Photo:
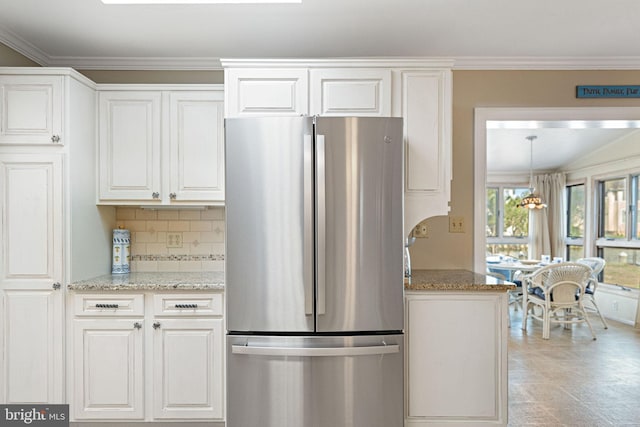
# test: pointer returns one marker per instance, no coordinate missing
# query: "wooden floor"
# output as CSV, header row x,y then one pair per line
x,y
572,380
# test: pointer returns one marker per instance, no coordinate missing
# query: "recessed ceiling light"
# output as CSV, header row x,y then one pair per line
x,y
198,1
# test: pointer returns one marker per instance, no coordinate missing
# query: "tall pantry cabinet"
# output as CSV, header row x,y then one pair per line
x,y
51,231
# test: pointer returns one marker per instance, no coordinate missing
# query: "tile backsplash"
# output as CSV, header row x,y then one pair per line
x,y
174,240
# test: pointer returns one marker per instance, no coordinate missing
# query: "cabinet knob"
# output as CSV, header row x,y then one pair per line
x,y
137,325
56,286
55,138
155,195
156,325
172,196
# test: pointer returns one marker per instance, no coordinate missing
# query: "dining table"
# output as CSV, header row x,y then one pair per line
x,y
507,267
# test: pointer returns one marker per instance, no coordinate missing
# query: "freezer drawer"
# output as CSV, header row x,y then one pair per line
x,y
352,381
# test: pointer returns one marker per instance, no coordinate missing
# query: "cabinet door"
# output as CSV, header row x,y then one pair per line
x,y
350,92
31,321
266,92
456,370
196,146
129,140
188,381
31,232
108,369
426,110
31,109
32,352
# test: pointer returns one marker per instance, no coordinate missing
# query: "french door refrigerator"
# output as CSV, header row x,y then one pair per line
x,y
314,271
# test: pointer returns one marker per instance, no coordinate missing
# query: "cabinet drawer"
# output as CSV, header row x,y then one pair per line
x,y
109,305
188,305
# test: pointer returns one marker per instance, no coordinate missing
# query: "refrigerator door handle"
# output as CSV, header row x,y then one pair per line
x,y
308,225
321,224
315,351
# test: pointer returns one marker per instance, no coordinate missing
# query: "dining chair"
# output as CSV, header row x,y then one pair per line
x,y
597,265
557,290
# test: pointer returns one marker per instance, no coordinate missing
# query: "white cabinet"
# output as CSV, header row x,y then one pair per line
x,y
350,92
264,92
456,358
417,90
31,338
151,356
31,109
129,135
188,369
32,357
425,105
160,147
51,231
108,374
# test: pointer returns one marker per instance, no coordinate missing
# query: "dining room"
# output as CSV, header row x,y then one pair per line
x,y
561,185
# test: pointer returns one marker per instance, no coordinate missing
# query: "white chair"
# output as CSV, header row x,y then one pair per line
x,y
558,290
597,265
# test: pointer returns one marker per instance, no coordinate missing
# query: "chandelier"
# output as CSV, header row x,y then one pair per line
x,y
531,200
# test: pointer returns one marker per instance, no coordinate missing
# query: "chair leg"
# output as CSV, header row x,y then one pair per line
x,y
525,315
546,324
592,300
586,319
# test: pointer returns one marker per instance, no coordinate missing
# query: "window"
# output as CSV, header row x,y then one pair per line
x,y
507,224
574,239
618,230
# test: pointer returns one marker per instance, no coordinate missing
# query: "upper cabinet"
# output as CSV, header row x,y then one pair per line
x,y
31,109
424,101
350,92
161,145
417,90
266,92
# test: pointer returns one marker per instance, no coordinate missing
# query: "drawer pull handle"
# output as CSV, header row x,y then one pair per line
x,y
107,305
137,325
186,306
156,325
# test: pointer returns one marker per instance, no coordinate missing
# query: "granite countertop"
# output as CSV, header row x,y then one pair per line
x,y
455,280
152,281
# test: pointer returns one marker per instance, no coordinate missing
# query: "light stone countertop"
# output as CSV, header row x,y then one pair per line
x,y
455,280
152,282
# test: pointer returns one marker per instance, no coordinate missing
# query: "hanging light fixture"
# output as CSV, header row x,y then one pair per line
x,y
531,200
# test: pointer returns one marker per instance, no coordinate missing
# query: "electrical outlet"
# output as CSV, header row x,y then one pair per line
x,y
174,240
615,306
421,230
456,224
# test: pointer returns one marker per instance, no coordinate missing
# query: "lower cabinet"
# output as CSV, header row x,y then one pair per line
x,y
187,368
456,358
31,337
108,369
147,357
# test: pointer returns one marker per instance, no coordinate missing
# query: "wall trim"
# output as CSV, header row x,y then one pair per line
x,y
32,52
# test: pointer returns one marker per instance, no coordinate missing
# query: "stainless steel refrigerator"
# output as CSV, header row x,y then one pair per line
x,y
314,272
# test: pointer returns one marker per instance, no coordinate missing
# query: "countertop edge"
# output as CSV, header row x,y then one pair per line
x,y
456,280
158,281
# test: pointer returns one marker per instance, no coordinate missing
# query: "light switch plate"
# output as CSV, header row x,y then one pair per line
x,y
174,240
456,224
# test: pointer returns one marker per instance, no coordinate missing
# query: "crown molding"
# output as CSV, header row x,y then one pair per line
x,y
356,62
30,51
546,63
23,47
139,63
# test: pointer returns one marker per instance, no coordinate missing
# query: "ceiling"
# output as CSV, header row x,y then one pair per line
x,y
584,34
557,143
89,34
